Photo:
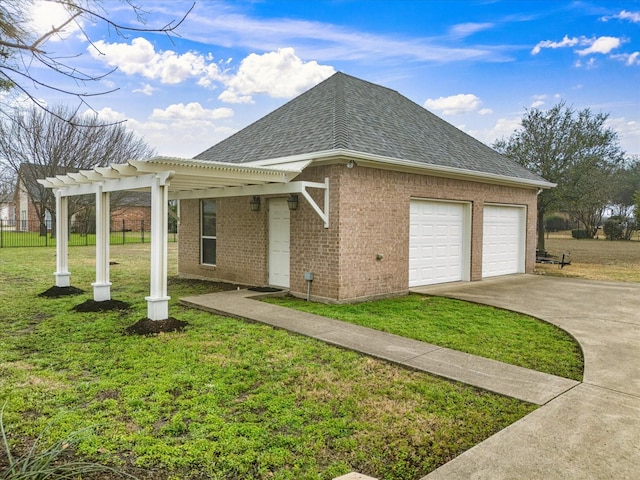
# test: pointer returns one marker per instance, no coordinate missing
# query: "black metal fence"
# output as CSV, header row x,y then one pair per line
x,y
29,234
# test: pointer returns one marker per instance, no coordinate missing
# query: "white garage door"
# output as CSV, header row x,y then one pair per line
x,y
437,249
503,240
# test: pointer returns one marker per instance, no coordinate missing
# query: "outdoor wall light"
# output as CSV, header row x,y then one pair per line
x,y
292,201
254,203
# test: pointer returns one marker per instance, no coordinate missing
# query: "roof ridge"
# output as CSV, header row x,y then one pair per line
x,y
340,140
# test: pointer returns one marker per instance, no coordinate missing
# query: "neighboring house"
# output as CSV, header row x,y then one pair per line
x,y
7,211
129,210
413,201
346,193
28,198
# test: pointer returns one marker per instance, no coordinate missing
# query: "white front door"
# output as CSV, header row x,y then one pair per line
x,y
279,232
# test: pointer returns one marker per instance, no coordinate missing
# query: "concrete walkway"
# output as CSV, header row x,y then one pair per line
x,y
517,382
581,431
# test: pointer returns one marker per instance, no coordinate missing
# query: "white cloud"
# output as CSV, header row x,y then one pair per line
x,y
178,130
466,29
539,100
279,74
503,128
190,111
45,16
633,17
108,114
325,42
602,45
140,57
456,104
146,89
628,132
589,64
629,59
229,96
565,42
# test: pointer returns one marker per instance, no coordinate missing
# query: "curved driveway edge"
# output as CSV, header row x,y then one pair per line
x,y
593,430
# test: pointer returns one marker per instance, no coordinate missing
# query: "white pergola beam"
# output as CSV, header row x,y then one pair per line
x,y
113,184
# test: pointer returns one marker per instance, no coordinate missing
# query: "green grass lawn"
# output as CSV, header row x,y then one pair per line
x,y
477,329
225,399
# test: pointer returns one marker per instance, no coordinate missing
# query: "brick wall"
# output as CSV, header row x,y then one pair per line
x,y
135,219
241,241
365,251
369,219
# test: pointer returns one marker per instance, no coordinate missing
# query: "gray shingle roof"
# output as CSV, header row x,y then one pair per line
x,y
344,112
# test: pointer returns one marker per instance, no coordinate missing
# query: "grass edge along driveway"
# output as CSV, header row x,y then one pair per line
x,y
481,330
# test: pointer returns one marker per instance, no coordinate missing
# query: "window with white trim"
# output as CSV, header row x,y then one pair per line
x,y
208,232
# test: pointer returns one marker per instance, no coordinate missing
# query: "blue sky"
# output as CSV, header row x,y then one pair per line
x,y
477,64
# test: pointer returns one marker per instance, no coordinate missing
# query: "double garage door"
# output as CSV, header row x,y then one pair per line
x,y
440,245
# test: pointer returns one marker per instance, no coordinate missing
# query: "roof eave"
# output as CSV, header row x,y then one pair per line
x,y
408,166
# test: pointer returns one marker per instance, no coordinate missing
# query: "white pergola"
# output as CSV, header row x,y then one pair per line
x,y
167,179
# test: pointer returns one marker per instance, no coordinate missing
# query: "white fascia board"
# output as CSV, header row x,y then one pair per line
x,y
390,163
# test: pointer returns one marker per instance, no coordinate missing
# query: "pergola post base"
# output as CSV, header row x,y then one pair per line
x,y
63,279
101,291
158,308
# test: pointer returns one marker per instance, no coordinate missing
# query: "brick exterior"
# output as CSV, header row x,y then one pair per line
x,y
241,242
368,219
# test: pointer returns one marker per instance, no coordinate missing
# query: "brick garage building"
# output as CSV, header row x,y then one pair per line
x,y
350,186
412,201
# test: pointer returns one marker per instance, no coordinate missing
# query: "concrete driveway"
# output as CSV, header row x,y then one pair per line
x,y
593,430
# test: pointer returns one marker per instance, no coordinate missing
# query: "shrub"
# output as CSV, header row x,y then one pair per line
x,y
580,233
555,224
613,229
619,228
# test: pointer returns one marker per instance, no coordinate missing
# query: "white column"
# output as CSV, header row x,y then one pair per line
x,y
102,285
62,241
158,301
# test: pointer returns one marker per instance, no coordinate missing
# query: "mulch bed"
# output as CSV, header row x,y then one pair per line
x,y
104,306
56,292
146,326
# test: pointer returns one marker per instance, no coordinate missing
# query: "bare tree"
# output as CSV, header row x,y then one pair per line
x,y
35,144
24,51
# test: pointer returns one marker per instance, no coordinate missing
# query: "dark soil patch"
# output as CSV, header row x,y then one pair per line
x,y
146,326
265,289
107,305
55,292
